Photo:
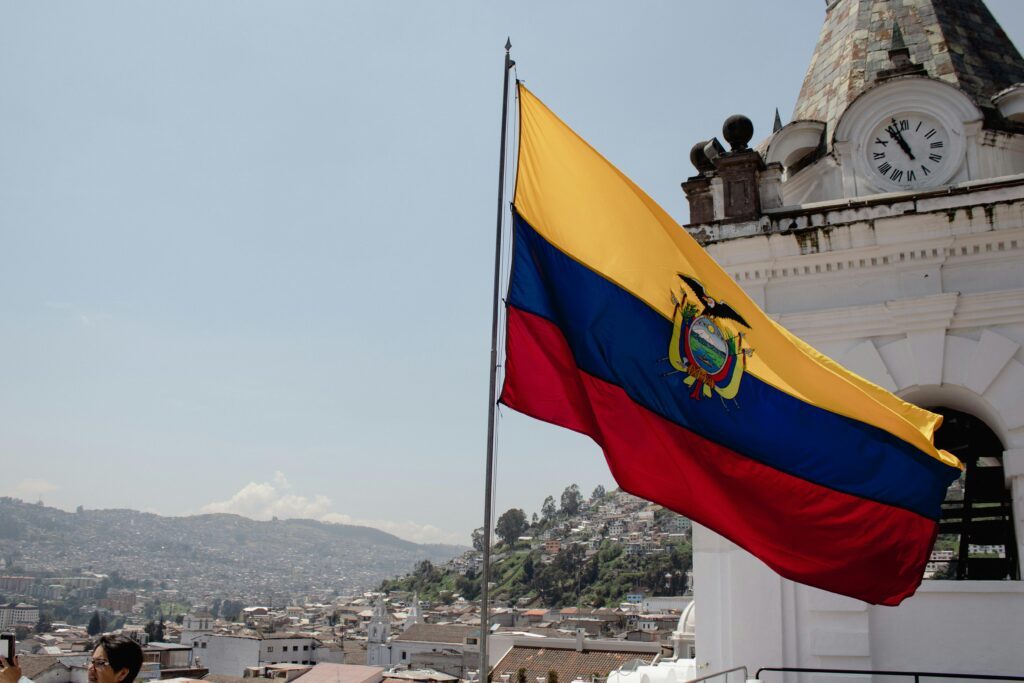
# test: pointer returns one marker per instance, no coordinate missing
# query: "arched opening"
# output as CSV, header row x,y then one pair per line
x,y
976,538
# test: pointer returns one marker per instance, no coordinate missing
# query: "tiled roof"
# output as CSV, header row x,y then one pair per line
x,y
222,678
436,633
957,41
33,665
342,673
570,664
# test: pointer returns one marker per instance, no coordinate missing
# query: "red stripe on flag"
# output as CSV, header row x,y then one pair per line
x,y
805,532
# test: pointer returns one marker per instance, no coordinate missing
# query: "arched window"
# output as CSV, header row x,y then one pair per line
x,y
976,530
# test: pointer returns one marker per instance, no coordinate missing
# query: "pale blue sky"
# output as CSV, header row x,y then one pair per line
x,y
246,247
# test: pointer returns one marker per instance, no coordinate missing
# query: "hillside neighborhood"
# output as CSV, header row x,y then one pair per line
x,y
392,630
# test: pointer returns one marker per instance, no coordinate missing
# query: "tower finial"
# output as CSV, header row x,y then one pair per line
x,y
777,126
897,37
899,57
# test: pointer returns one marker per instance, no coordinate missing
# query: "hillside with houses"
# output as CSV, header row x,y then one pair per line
x,y
586,552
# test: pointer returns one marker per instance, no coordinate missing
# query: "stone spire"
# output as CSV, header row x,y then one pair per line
x,y
900,59
897,42
957,41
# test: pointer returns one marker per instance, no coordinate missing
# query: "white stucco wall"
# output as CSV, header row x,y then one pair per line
x,y
750,616
925,297
228,655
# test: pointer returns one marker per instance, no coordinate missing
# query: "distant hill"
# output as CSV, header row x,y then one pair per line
x,y
206,554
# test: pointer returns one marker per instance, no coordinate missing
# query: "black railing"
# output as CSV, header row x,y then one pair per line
x,y
916,675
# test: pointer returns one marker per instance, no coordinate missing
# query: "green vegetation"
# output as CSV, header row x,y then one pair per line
x,y
524,574
520,576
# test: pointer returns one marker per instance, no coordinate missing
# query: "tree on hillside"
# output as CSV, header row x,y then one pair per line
x,y
598,493
153,608
528,569
155,631
468,585
43,625
548,509
230,609
511,525
94,627
571,500
548,584
478,539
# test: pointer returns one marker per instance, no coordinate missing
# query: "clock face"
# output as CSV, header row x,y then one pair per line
x,y
907,151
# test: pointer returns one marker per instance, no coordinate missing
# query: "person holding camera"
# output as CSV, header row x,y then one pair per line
x,y
114,659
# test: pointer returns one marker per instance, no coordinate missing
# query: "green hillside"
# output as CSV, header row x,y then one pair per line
x,y
521,577
591,569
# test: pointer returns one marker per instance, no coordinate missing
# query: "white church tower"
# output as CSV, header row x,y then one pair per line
x,y
885,226
415,613
379,630
196,624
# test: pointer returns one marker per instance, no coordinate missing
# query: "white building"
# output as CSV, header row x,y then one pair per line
x,y
449,648
15,613
194,625
906,265
230,655
666,603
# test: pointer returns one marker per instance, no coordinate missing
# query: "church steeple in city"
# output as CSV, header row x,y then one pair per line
x,y
378,631
956,41
379,628
415,613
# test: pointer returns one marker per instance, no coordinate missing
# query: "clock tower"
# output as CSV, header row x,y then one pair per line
x,y
884,225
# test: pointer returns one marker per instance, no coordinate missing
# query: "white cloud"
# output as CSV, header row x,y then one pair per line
x,y
409,530
275,498
32,489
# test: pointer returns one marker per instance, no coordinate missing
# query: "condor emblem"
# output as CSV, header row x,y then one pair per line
x,y
709,352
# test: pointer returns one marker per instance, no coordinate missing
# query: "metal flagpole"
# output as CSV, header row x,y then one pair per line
x,y
489,475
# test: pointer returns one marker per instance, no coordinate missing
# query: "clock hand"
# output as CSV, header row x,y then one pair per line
x,y
895,134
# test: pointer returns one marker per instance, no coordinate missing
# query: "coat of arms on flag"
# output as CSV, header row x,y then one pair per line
x,y
705,348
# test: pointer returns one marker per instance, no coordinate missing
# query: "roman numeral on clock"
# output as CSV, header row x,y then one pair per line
x,y
879,155
884,168
937,144
930,134
935,157
897,174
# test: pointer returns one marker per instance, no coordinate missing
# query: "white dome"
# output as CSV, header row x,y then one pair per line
x,y
687,625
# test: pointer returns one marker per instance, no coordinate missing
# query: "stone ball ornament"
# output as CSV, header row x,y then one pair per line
x,y
737,131
699,159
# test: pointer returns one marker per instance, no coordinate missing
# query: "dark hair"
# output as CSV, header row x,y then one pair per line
x,y
122,653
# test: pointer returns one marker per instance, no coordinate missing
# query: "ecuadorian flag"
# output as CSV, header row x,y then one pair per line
x,y
622,328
